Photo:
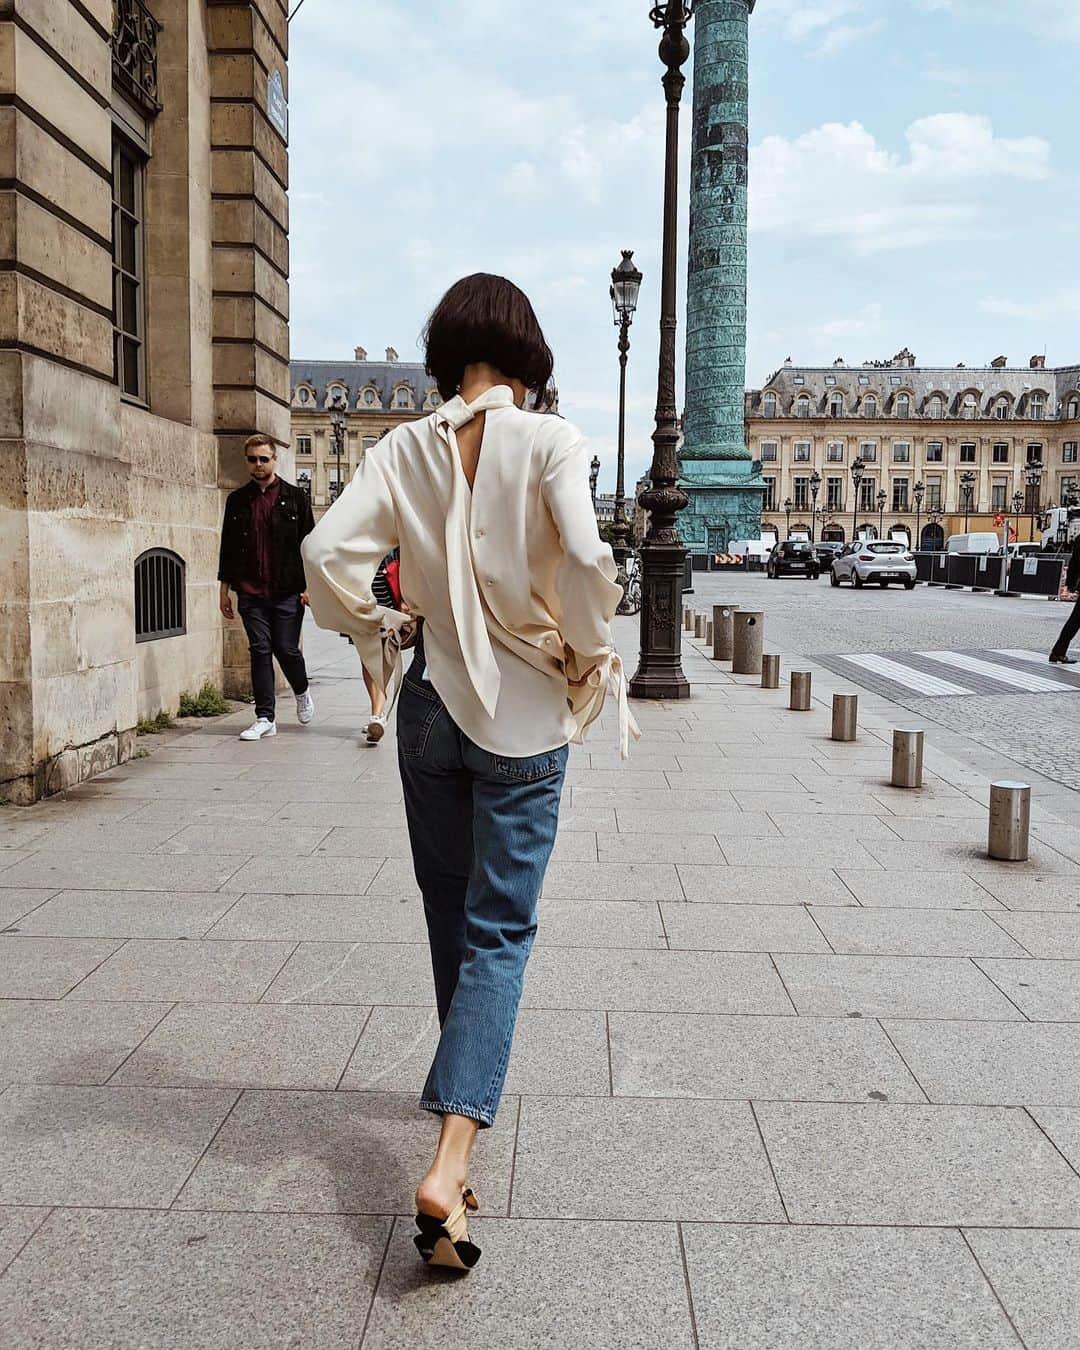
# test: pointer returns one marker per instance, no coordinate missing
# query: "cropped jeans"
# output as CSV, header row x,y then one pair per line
x,y
482,827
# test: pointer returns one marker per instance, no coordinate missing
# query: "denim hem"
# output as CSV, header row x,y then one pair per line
x,y
457,1109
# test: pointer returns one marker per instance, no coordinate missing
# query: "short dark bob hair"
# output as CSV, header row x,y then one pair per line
x,y
486,318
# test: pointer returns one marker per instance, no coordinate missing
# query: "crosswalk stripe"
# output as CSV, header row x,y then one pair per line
x,y
1016,679
1017,654
918,680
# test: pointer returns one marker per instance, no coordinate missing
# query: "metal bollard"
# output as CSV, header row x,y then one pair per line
x,y
748,631
722,631
708,632
770,672
688,619
699,625
800,691
845,713
907,756
1010,821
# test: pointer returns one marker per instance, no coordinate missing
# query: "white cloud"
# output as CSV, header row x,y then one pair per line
x,y
829,26
1061,305
838,181
1051,20
865,323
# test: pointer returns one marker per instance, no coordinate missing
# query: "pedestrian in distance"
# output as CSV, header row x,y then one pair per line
x,y
265,523
386,589
1060,653
512,593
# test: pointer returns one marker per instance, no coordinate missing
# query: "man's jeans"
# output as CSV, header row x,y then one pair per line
x,y
1065,637
482,827
273,629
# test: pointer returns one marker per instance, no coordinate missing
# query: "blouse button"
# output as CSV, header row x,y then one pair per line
x,y
479,534
491,581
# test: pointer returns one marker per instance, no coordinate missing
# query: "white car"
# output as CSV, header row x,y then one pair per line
x,y
875,560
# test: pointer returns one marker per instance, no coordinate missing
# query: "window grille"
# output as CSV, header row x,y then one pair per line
x,y
160,597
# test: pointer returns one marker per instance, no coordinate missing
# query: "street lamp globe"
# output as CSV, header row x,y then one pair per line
x,y
625,286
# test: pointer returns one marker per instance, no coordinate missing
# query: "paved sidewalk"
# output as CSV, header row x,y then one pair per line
x,y
797,1066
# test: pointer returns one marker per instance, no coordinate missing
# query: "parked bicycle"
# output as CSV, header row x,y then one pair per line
x,y
631,601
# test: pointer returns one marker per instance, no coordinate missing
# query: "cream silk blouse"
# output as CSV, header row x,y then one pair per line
x,y
514,584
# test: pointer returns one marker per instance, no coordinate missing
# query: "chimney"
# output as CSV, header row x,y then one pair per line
x,y
999,363
1037,363
359,354
391,356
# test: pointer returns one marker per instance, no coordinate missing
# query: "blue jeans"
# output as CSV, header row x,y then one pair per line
x,y
273,629
482,827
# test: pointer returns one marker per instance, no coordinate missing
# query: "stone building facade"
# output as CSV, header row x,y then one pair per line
x,y
374,396
1013,429
143,336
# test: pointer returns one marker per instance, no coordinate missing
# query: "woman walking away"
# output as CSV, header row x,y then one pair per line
x,y
513,591
387,593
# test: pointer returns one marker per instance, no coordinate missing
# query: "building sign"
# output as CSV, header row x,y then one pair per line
x,y
277,105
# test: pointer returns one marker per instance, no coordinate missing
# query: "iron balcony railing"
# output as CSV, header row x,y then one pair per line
x,y
134,49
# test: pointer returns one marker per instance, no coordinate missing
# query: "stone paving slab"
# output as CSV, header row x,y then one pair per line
x,y
114,1146
1038,893
919,932
196,972
121,871
594,1158
758,886
127,914
334,1152
764,1058
1062,1125
133,1279
18,1224
1052,936
66,1041
918,890
16,904
1043,990
843,1289
45,967
1036,1275
742,928
604,1285
925,1165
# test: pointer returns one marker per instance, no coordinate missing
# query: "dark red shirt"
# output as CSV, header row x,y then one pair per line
x,y
258,578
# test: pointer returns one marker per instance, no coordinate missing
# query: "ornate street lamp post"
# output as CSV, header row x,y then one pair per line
x,y
625,286
788,504
1018,505
967,487
339,415
881,500
857,469
594,474
1033,477
659,673
815,488
918,492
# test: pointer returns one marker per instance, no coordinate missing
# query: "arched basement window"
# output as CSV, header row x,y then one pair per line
x,y
160,598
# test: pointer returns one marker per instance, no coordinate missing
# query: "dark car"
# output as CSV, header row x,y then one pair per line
x,y
793,558
826,550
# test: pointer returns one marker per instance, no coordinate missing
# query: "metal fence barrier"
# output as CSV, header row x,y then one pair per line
x,y
1037,574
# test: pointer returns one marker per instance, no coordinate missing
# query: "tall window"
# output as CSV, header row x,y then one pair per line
x,y
402,397
1072,408
1068,452
303,445
935,452
369,398
802,406
1000,453
969,407
834,494
1035,452
768,405
933,494
129,301
368,442
768,451
770,495
1001,410
1068,490
801,452
836,405
899,494
967,453
903,405
936,407
869,406
835,452
802,494
868,452
998,488
1036,406
901,452
867,494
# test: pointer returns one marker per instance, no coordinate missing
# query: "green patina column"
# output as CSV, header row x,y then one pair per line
x,y
722,481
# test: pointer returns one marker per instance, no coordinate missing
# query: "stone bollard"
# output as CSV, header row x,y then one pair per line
x,y
722,631
770,672
845,713
1010,821
800,691
748,632
699,625
708,632
688,619
907,757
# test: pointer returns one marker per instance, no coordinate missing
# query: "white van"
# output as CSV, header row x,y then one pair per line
x,y
985,541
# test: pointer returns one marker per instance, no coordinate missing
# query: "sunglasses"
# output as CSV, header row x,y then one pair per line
x,y
259,459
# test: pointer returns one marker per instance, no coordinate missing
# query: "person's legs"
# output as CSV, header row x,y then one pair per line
x,y
287,620
255,615
1072,627
515,818
378,698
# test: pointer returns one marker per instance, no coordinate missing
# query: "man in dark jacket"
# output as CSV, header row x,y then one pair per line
x,y
1060,654
265,523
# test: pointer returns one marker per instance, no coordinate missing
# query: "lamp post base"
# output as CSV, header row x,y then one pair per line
x,y
659,674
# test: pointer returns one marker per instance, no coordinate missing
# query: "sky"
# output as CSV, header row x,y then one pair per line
x,y
914,177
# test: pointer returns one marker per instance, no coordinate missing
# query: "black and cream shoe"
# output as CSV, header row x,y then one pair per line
x,y
445,1242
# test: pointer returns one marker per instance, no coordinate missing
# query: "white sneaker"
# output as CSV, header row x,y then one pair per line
x,y
375,729
305,707
262,726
